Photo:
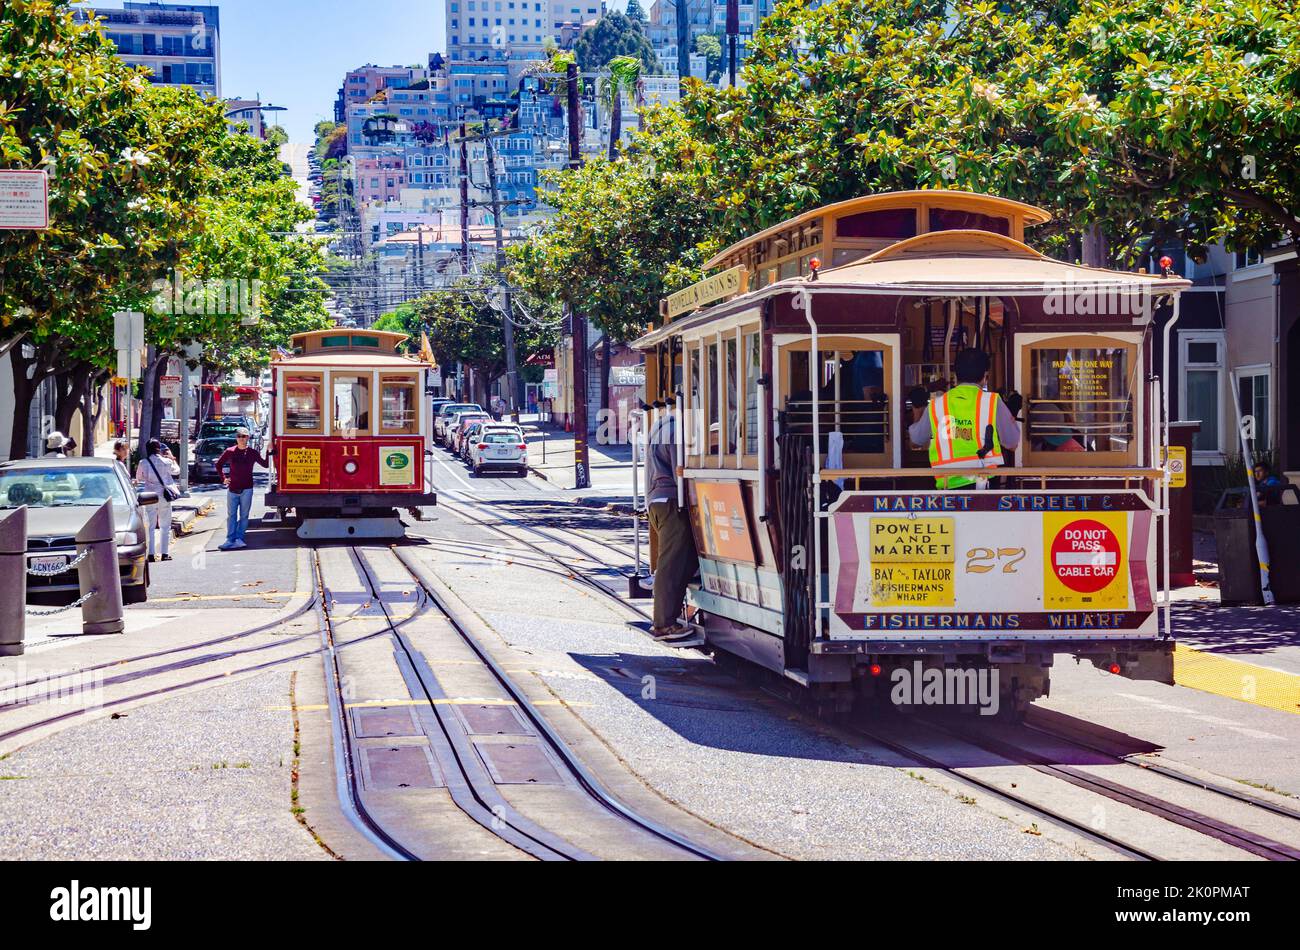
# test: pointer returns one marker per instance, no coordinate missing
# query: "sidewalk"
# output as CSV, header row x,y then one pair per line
x,y
551,456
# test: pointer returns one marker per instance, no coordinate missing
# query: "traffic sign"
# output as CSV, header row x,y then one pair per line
x,y
24,200
1177,466
1085,556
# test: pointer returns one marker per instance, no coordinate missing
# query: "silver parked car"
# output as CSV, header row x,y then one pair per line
x,y
60,495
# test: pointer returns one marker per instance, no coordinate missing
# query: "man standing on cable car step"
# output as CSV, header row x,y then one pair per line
x,y
966,427
239,499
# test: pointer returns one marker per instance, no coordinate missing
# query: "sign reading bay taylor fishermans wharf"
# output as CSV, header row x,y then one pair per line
x,y
727,284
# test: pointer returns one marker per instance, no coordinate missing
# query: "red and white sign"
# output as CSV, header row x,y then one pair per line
x,y
1085,556
169,387
24,200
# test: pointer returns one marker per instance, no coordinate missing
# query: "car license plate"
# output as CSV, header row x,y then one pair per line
x,y
49,562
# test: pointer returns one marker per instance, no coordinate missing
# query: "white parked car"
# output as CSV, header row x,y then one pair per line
x,y
500,448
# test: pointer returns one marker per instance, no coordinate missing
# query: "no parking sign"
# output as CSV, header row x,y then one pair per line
x,y
1086,566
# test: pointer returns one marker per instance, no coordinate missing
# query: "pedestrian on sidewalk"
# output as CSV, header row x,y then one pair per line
x,y
157,473
240,459
122,452
677,561
57,446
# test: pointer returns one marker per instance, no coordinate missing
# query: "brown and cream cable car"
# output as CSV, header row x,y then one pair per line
x,y
350,429
827,552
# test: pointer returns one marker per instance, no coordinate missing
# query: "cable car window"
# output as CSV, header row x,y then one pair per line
x,y
695,404
894,223
950,219
302,403
732,383
1080,399
711,384
399,409
352,404
753,363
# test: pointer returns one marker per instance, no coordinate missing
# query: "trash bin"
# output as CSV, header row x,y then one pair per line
x,y
1234,536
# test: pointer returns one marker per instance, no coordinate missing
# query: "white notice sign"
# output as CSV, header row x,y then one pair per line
x,y
24,200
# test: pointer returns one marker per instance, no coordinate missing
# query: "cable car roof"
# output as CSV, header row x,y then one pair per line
x,y
940,263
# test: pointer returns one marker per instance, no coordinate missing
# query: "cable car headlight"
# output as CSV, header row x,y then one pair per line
x,y
350,467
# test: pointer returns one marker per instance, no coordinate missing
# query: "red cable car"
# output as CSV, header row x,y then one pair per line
x,y
350,429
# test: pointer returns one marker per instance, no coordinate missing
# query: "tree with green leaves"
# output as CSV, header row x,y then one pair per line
x,y
624,77
710,47
610,36
126,166
463,323
635,12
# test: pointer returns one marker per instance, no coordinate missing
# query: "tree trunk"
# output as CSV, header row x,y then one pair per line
x,y
1094,248
605,359
28,375
682,10
148,399
92,404
72,385
615,121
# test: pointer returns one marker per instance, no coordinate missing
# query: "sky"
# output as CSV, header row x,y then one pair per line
x,y
294,53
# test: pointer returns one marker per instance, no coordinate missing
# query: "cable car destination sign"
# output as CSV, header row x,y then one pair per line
x,y
962,565
729,283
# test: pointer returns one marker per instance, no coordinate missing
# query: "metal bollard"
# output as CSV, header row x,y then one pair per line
x,y
102,611
13,582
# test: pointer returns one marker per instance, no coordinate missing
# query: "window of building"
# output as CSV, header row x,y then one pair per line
x,y
399,408
1200,391
1253,393
302,404
351,404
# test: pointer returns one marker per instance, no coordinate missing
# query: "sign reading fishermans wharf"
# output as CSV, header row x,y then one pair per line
x,y
729,283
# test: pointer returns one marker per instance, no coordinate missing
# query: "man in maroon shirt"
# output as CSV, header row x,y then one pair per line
x,y
240,459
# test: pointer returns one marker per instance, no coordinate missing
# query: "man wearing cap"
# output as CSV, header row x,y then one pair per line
x,y
240,459
57,445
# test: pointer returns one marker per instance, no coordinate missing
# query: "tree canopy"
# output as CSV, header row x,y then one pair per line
x,y
612,35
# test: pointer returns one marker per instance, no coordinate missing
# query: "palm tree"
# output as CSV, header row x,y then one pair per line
x,y
624,76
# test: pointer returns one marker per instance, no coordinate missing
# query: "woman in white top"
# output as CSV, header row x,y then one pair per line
x,y
157,472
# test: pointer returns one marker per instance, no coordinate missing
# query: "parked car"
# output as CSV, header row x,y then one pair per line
x,y
477,429
499,448
460,424
445,412
60,495
203,467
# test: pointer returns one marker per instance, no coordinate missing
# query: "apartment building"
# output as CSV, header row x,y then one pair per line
x,y
179,43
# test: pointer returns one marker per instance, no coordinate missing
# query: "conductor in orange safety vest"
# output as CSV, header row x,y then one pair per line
x,y
966,428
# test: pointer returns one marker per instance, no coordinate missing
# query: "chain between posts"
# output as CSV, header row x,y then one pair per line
x,y
58,610
54,572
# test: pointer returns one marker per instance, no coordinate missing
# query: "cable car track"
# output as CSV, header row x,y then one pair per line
x,y
469,784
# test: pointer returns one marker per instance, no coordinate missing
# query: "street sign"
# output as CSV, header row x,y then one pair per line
x,y
128,364
24,200
128,330
169,387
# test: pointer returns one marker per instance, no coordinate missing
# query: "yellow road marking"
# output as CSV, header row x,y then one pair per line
x,y
1234,679
186,599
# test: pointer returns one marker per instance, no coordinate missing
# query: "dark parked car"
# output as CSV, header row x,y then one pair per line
x,y
206,452
60,494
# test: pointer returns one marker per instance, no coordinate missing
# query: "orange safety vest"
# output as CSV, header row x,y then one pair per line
x,y
958,420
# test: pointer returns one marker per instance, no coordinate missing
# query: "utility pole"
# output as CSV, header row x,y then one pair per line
x,y
733,27
578,322
464,201
507,313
